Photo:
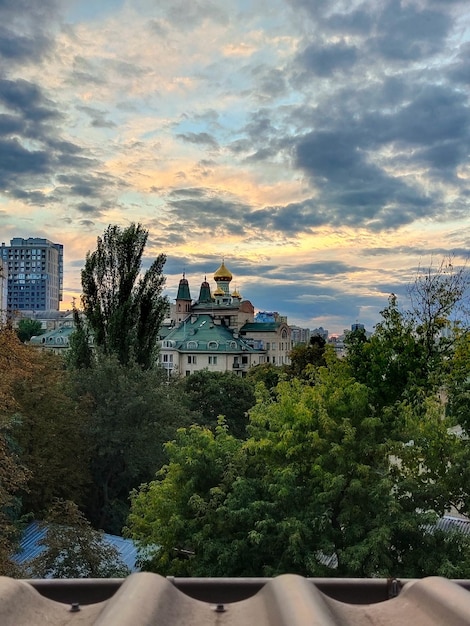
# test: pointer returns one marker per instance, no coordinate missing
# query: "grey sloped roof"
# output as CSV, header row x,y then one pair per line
x,y
145,599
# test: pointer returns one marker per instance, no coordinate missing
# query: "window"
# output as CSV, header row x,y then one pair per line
x,y
191,359
273,346
268,346
212,360
244,359
168,358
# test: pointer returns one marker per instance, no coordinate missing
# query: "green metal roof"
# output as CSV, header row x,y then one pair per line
x,y
260,327
55,338
200,334
183,290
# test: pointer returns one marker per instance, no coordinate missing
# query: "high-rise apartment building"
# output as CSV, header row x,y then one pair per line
x,y
3,290
35,274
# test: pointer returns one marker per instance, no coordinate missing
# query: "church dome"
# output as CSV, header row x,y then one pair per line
x,y
223,273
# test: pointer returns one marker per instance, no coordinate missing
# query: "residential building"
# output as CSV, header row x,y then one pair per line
x,y
34,274
220,332
299,335
3,290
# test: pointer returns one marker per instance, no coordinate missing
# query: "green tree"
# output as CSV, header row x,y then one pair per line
x,y
266,373
73,549
180,512
211,394
305,358
124,306
391,363
409,354
80,352
28,328
131,413
320,487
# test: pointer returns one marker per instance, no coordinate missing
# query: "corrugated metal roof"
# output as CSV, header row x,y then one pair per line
x,y
31,548
144,599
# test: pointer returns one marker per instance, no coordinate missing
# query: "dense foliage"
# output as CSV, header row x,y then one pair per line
x,y
211,394
123,305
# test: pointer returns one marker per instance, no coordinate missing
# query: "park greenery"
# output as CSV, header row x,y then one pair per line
x,y
328,467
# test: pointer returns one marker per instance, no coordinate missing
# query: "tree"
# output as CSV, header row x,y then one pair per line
x,y
131,413
123,306
15,363
50,433
80,353
28,328
439,303
180,511
391,363
305,358
211,394
320,487
266,373
73,549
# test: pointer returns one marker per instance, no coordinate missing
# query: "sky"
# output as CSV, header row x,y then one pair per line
x,y
321,147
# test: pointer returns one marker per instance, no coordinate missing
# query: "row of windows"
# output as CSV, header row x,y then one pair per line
x,y
282,345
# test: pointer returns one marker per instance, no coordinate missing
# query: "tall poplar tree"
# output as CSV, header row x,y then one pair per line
x,y
124,306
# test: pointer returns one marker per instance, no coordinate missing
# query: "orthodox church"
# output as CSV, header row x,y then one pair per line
x,y
220,332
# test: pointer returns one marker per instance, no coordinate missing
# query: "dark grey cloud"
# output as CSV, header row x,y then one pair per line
x,y
359,21
202,139
270,82
88,209
34,154
33,197
25,30
26,100
394,30
188,192
407,32
96,185
213,214
327,59
426,253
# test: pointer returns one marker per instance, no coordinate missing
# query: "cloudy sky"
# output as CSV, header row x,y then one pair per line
x,y
320,146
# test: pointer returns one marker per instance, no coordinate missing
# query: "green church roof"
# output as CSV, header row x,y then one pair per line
x,y
200,333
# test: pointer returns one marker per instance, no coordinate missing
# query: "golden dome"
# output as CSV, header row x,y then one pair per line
x,y
223,273
219,292
236,294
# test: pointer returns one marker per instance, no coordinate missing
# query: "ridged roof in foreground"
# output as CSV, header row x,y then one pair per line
x,y
145,599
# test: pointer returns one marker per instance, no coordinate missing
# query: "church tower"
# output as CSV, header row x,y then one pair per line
x,y
183,300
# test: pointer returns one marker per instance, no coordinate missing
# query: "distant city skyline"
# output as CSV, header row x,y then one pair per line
x,y
321,148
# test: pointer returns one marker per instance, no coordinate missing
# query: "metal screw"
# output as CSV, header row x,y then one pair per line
x,y
219,608
75,606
